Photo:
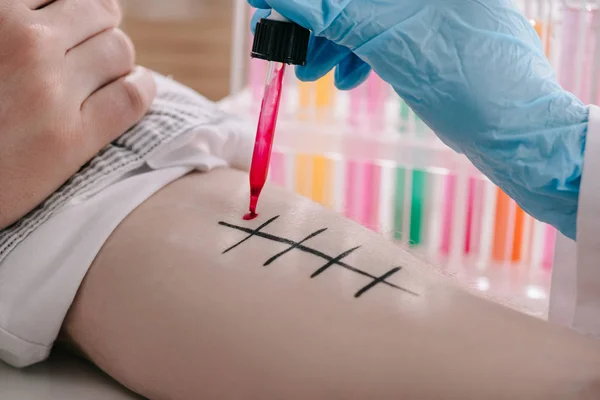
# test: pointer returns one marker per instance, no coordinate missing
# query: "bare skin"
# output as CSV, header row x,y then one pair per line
x,y
64,66
164,312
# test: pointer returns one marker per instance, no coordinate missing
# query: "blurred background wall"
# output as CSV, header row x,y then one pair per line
x,y
188,39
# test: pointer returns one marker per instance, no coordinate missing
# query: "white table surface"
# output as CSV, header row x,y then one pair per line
x,y
60,378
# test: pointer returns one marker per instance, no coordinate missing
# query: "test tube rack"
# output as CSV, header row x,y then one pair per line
x,y
365,154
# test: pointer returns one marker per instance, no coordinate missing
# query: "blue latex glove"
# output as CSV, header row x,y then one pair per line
x,y
475,72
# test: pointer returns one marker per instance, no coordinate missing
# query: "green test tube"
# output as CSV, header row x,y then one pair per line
x,y
417,207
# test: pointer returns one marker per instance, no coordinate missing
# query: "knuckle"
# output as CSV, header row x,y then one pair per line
x,y
123,46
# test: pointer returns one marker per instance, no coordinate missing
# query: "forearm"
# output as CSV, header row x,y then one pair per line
x,y
178,306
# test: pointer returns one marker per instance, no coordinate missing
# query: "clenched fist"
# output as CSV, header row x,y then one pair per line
x,y
68,87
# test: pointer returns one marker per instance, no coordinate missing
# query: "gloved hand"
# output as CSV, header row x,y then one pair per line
x,y
474,71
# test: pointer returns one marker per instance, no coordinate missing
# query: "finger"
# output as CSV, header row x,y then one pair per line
x,y
77,21
115,108
315,15
351,72
258,15
323,55
99,61
258,4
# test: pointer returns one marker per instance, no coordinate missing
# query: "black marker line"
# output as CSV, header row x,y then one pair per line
x,y
294,246
376,282
333,262
251,233
314,252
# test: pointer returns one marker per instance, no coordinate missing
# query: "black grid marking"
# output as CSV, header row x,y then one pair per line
x,y
294,246
334,261
331,261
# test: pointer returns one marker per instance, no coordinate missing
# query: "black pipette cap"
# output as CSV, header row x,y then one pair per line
x,y
280,41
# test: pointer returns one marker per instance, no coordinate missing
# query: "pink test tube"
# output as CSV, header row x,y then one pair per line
x,y
366,112
362,193
549,242
370,215
448,213
352,201
578,47
277,169
377,93
476,196
470,214
375,104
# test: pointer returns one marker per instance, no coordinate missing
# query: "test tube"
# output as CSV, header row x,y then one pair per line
x,y
376,96
304,175
322,180
549,243
470,215
538,238
302,162
419,179
486,244
519,232
578,47
277,172
473,242
387,200
353,190
435,215
502,227
449,198
400,204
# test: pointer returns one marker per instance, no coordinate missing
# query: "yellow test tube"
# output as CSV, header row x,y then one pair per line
x,y
322,167
321,182
325,96
303,175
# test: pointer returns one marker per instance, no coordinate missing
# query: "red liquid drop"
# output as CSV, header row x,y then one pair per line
x,y
250,216
253,201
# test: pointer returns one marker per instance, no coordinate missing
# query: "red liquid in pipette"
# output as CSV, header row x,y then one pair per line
x,y
263,145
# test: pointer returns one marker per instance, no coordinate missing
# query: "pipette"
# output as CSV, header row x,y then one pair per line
x,y
280,42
